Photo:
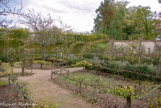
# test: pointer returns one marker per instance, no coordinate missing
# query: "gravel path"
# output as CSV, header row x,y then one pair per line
x,y
44,90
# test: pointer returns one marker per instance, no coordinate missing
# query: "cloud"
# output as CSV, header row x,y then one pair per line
x,y
54,9
79,7
78,14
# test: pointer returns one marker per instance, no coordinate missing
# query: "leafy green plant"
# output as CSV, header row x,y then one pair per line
x,y
126,92
88,55
84,63
130,56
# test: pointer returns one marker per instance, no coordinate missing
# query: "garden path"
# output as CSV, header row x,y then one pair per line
x,y
43,90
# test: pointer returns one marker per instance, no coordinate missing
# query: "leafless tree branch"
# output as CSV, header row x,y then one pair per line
x,y
5,10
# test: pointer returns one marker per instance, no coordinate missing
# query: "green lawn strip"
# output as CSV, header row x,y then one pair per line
x,y
6,67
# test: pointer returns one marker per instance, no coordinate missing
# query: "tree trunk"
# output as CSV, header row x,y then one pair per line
x,y
23,70
31,69
146,26
43,52
9,79
12,68
40,66
128,104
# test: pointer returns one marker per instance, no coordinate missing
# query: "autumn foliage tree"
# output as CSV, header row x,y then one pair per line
x,y
105,14
110,18
158,22
118,21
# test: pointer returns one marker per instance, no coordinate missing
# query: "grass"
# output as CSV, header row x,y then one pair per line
x,y
1,83
6,67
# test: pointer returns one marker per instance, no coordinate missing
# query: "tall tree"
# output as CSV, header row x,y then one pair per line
x,y
158,23
116,27
144,19
142,23
110,18
105,13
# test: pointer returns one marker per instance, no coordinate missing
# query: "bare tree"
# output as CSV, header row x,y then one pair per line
x,y
45,31
64,27
6,10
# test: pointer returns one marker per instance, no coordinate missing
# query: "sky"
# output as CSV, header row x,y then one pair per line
x,y
79,14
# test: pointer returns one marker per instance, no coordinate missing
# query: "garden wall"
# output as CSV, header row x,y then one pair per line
x,y
149,45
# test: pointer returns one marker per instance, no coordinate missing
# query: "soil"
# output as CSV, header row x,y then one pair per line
x,y
9,97
42,90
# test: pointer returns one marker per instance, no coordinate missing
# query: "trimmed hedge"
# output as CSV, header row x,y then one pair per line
x,y
143,72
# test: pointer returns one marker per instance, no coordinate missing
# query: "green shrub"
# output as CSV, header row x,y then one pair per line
x,y
100,57
131,59
73,61
88,55
4,59
144,69
119,58
128,71
156,61
84,63
147,61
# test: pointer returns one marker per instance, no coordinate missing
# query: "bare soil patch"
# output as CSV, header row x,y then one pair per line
x,y
9,97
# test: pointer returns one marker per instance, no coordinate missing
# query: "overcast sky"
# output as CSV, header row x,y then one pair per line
x,y
77,13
